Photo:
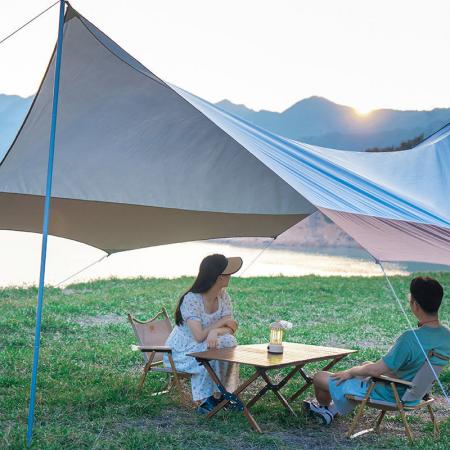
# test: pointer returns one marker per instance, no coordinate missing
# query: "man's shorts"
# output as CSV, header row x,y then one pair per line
x,y
358,387
353,386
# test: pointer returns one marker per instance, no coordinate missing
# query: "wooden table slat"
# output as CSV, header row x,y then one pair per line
x,y
258,356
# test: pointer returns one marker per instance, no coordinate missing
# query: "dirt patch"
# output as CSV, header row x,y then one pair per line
x,y
314,439
372,343
145,424
335,342
69,291
104,319
169,420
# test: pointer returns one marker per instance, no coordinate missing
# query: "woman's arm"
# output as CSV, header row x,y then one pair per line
x,y
200,333
226,321
211,339
222,326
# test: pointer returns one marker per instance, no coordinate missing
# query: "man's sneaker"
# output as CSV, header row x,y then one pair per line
x,y
318,411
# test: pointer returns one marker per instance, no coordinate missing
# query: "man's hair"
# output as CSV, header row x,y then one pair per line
x,y
427,292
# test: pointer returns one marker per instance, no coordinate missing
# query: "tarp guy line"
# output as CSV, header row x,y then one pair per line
x,y
24,25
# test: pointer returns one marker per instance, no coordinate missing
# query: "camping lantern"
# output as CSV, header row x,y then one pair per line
x,y
276,335
276,339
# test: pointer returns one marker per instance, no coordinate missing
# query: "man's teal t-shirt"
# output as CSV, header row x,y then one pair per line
x,y
405,357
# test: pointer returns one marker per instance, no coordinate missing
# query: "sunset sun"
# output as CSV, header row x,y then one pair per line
x,y
362,111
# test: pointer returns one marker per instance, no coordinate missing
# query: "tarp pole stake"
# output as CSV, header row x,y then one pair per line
x,y
48,192
415,334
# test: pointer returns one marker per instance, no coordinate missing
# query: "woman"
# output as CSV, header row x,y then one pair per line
x,y
204,319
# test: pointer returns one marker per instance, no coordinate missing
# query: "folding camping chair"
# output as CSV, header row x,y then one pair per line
x,y
151,336
417,390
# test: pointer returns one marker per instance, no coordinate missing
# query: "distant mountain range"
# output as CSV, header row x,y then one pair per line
x,y
319,121
314,120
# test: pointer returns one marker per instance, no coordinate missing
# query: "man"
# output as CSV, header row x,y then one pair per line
x,y
402,361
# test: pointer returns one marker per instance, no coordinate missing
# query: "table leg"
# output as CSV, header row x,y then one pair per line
x,y
275,388
332,363
257,396
235,394
270,386
308,380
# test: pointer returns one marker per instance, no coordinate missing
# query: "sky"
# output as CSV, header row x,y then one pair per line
x,y
264,54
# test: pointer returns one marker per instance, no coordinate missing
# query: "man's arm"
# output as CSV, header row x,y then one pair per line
x,y
366,370
393,361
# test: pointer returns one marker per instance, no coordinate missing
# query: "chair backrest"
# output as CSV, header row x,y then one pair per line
x,y
424,379
154,331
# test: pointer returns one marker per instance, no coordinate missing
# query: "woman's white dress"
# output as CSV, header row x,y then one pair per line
x,y
182,342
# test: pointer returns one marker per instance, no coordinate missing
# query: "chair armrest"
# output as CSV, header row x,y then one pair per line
x,y
386,379
154,348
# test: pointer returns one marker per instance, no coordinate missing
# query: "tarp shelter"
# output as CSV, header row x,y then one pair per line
x,y
140,162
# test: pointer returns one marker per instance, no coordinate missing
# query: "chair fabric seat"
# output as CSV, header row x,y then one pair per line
x,y
390,406
381,404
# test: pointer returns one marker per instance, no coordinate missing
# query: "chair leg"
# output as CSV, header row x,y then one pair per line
x,y
407,427
433,419
402,413
141,382
170,383
356,418
147,367
360,411
176,378
378,422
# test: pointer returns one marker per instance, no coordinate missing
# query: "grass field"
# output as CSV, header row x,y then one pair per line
x,y
87,394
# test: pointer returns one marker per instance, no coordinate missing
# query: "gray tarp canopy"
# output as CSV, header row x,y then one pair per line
x,y
135,163
139,162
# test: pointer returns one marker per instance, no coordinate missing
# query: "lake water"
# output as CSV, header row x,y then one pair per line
x,y
20,257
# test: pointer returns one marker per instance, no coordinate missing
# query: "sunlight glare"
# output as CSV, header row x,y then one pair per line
x,y
362,112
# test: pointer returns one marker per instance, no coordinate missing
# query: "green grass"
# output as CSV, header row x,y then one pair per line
x,y
87,394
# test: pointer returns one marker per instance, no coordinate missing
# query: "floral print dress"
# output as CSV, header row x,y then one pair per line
x,y
183,342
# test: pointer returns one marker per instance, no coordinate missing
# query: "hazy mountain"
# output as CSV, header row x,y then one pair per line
x,y
319,121
314,120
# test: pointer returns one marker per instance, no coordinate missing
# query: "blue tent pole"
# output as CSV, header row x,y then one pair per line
x,y
48,193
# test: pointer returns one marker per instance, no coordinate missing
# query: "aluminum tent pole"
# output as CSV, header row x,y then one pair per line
x,y
48,192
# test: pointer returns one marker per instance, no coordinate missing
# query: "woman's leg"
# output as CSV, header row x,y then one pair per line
x,y
227,372
202,385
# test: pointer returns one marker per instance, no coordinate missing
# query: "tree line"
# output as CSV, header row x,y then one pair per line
x,y
405,145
